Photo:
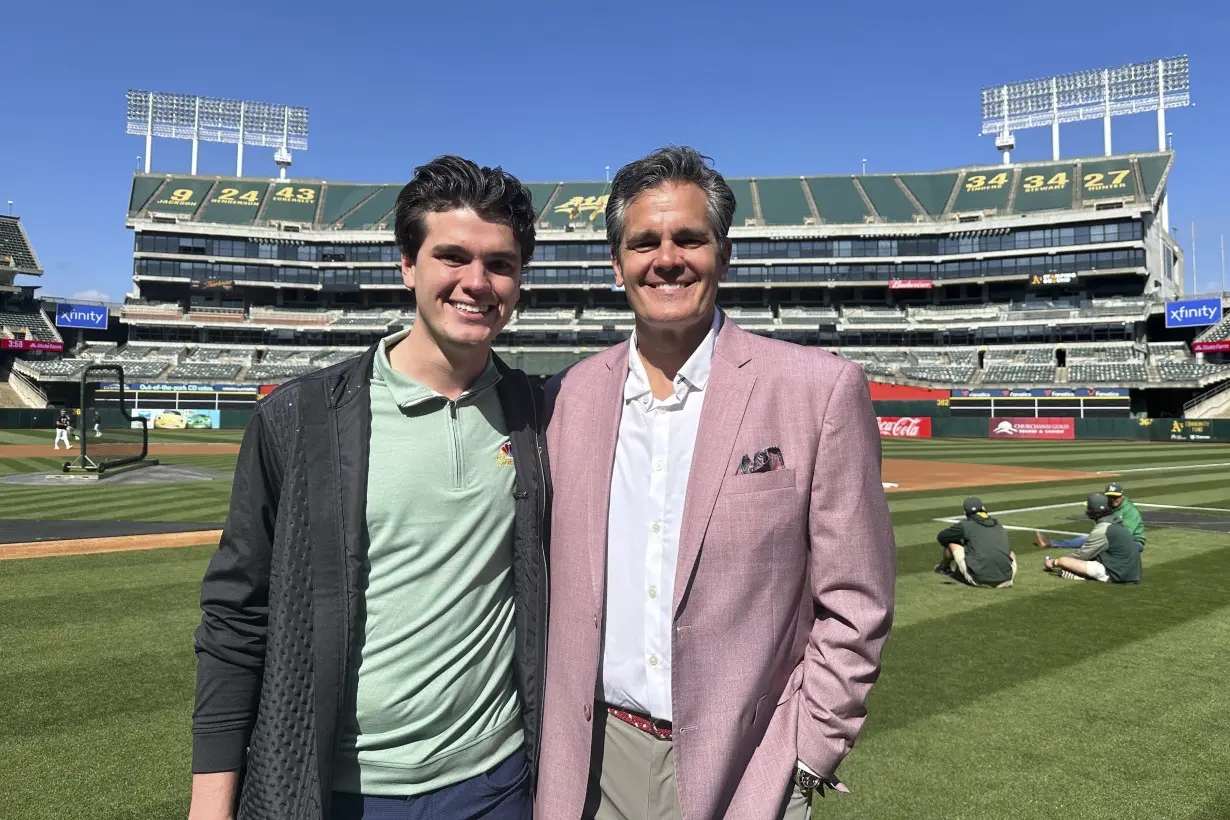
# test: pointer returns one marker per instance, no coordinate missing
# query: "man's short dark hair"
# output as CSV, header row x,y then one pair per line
x,y
450,183
675,163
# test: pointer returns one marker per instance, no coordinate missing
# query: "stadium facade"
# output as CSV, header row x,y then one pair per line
x,y
1039,275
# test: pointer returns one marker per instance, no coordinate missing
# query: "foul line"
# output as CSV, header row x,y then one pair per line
x,y
1160,469
1018,529
1175,507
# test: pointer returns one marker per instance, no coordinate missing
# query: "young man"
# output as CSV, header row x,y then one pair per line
x,y
373,637
978,549
1109,555
722,555
96,417
63,425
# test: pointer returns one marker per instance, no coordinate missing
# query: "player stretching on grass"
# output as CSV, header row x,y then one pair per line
x,y
1110,554
976,550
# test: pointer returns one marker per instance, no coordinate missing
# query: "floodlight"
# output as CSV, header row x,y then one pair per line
x,y
1088,95
215,119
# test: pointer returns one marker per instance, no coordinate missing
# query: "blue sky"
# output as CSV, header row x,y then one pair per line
x,y
558,91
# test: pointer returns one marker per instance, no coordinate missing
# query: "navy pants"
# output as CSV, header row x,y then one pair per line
x,y
500,794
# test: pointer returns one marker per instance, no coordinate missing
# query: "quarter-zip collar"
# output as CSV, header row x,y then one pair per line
x,y
408,392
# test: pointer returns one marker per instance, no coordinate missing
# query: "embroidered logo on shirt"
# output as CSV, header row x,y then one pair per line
x,y
504,458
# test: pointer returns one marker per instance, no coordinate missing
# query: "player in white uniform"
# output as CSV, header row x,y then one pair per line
x,y
63,425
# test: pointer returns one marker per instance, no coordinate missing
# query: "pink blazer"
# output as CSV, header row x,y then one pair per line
x,y
784,588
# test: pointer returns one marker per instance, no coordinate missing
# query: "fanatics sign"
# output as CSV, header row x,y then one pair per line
x,y
904,426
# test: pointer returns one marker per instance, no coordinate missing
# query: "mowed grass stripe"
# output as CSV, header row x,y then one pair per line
x,y
1026,752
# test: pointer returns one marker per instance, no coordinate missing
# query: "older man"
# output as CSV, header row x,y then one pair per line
x,y
721,549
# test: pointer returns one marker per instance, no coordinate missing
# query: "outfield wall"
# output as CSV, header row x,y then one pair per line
x,y
1057,428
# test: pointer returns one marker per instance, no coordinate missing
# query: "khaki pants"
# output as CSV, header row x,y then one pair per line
x,y
632,777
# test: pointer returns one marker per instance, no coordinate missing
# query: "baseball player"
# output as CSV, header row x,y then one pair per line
x,y
96,417
63,425
1121,506
1110,555
976,550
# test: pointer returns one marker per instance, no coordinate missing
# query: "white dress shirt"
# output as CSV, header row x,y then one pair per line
x,y
653,458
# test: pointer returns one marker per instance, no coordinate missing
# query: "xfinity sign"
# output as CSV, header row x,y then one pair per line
x,y
90,317
1193,313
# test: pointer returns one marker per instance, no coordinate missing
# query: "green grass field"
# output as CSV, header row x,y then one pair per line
x,y
1052,699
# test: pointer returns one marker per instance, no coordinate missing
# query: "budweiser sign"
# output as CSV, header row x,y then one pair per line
x,y
910,284
904,426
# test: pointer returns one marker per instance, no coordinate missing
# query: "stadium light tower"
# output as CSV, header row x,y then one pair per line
x,y
215,119
1103,93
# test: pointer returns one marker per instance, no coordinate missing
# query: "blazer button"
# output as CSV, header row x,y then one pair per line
x,y
588,711
595,621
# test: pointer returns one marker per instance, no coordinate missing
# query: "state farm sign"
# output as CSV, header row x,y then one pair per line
x,y
904,426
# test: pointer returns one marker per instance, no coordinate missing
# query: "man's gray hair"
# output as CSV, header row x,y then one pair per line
x,y
675,163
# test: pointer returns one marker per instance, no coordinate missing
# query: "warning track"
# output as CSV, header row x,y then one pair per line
x,y
46,451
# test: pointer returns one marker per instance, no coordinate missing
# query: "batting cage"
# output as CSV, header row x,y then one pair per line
x,y
111,436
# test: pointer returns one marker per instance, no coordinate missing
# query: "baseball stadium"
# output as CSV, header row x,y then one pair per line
x,y
1023,327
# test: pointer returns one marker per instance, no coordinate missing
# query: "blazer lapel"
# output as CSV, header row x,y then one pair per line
x,y
606,408
726,397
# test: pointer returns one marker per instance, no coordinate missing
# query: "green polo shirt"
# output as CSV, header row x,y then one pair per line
x,y
432,699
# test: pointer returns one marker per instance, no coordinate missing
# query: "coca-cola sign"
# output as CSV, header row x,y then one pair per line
x,y
904,426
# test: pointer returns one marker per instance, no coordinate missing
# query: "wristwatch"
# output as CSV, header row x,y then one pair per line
x,y
807,781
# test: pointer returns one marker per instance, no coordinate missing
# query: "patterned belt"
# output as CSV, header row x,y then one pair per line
x,y
660,729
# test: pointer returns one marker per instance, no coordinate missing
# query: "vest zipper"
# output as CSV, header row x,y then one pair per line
x,y
546,572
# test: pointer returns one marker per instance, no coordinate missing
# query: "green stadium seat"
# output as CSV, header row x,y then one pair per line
x,y
1045,188
931,190
143,189
15,246
1101,179
292,202
745,203
180,195
838,201
233,202
890,202
1153,170
540,193
782,201
576,204
984,189
340,199
374,210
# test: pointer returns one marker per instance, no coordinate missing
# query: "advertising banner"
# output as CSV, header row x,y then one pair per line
x,y
160,419
1193,312
904,392
31,344
910,284
167,387
1190,429
1046,280
1211,347
1044,393
1040,428
90,317
904,426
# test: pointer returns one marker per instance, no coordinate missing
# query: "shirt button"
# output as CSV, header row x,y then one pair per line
x,y
653,592
653,660
657,527
657,466
587,711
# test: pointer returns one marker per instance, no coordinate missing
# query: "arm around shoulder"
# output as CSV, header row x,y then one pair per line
x,y
852,572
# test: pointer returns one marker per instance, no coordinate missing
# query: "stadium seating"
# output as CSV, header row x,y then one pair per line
x,y
608,317
58,367
371,318
889,200
946,374
1172,370
782,201
33,322
1018,374
98,351
547,317
14,246
151,310
1217,333
265,372
1107,372
204,370
1102,353
288,316
800,314
951,313
872,316
750,317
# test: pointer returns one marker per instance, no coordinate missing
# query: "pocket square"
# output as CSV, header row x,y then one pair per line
x,y
765,461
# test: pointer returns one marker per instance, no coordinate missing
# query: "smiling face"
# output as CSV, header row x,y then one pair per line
x,y
671,262
466,279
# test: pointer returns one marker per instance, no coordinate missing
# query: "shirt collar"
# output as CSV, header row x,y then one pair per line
x,y
408,392
695,371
